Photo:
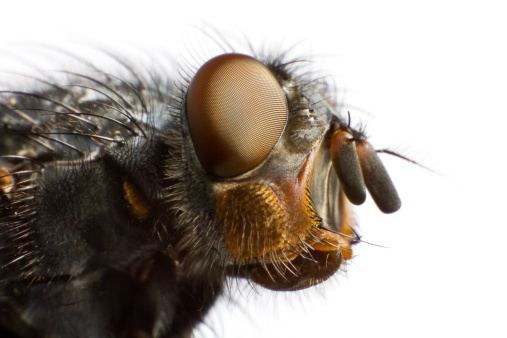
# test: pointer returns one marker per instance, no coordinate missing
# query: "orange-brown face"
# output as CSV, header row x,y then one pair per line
x,y
281,170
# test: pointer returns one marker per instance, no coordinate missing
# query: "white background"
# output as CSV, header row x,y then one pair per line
x,y
430,79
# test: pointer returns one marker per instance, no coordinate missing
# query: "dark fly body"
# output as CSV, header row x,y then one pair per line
x,y
127,200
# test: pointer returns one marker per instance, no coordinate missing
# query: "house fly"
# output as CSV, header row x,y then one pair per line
x,y
127,200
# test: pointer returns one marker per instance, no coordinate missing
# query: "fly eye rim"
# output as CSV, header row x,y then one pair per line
x,y
236,112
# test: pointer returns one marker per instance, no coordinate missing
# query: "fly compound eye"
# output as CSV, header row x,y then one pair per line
x,y
236,112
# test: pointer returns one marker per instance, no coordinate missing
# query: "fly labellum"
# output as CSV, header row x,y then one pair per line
x,y
127,201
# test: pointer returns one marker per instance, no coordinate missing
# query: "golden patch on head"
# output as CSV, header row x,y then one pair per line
x,y
252,221
259,223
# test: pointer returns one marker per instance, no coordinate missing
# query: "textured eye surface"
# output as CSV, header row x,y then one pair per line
x,y
236,113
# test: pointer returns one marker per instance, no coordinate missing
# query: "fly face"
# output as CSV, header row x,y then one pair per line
x,y
278,170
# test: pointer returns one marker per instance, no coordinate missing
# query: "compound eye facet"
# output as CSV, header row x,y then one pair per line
x,y
236,112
